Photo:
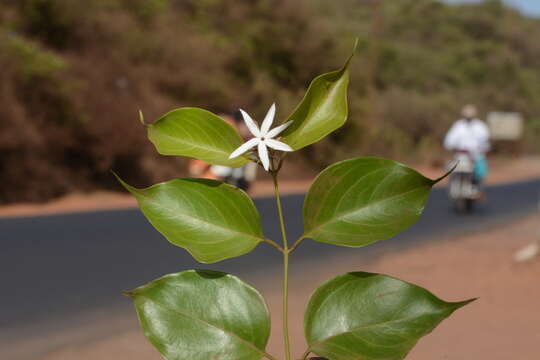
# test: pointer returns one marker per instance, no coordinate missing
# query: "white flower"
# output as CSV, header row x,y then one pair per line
x,y
264,137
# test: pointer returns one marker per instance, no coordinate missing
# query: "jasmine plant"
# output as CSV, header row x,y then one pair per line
x,y
203,314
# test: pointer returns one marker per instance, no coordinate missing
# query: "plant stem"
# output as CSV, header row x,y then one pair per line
x,y
306,354
296,243
268,356
271,242
285,271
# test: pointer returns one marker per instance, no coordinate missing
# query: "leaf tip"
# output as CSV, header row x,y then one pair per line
x,y
130,294
446,174
128,187
141,118
459,304
118,177
353,51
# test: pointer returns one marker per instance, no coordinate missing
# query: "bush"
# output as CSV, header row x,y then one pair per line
x,y
76,72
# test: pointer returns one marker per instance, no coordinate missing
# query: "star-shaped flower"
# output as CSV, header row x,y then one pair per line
x,y
264,137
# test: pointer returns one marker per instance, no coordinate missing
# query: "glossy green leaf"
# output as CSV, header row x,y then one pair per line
x,y
202,315
359,201
371,317
196,133
208,218
323,109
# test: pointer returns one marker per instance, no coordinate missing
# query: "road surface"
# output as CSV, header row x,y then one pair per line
x,y
54,266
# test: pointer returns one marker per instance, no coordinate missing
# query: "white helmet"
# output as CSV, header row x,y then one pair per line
x,y
469,111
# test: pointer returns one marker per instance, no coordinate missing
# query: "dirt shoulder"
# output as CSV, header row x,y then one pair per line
x,y
504,323
502,171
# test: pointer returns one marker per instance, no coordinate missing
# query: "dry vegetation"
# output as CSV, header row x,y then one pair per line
x,y
75,73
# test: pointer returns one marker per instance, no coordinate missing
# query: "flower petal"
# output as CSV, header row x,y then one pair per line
x,y
277,145
268,119
250,123
244,147
278,129
263,155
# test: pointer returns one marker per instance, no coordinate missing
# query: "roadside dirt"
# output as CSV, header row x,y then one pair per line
x,y
504,323
502,171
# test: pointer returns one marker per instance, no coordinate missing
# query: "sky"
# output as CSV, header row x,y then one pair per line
x,y
529,7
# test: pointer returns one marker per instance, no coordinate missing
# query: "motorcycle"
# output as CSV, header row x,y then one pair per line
x,y
463,190
242,177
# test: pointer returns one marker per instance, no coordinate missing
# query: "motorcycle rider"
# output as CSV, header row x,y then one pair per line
x,y
470,135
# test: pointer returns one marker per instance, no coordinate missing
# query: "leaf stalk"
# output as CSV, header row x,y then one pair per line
x,y
296,243
273,243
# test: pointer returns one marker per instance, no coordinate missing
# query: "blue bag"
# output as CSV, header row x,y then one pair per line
x,y
480,168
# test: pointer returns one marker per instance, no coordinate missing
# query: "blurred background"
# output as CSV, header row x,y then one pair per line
x,y
73,75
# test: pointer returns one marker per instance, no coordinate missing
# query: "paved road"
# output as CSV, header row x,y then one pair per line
x,y
51,266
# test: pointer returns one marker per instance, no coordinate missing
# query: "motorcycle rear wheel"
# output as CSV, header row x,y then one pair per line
x,y
464,206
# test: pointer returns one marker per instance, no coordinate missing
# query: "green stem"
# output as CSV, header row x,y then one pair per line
x,y
306,354
285,271
295,245
268,356
271,242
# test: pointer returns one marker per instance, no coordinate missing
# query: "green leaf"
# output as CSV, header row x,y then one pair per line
x,y
196,133
202,315
371,316
322,110
208,218
359,201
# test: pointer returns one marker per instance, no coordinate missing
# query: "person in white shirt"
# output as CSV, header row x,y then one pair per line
x,y
471,135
